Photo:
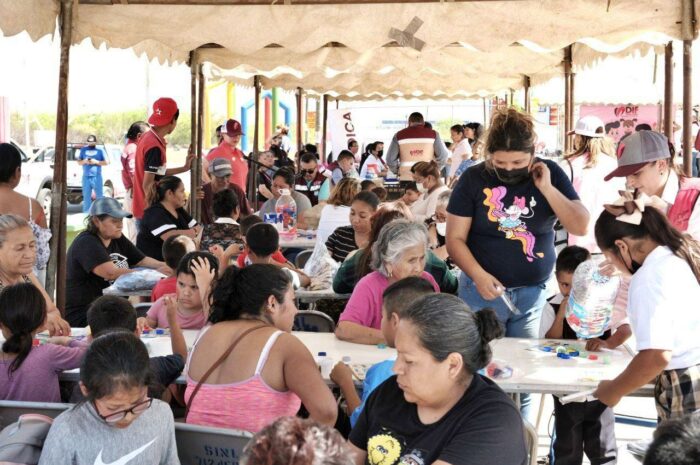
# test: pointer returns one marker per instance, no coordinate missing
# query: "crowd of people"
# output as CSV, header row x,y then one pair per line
x,y
462,257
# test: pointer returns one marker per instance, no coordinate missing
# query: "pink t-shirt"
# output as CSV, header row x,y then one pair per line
x,y
159,313
365,304
163,287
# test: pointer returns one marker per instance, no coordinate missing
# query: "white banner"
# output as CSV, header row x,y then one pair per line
x,y
5,119
341,129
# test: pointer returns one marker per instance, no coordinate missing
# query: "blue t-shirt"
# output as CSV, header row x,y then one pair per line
x,y
93,153
376,375
512,230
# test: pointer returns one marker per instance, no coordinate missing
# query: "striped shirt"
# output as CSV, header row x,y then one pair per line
x,y
341,243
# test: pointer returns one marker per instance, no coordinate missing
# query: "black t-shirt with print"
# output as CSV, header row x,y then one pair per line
x,y
484,427
512,230
157,221
82,285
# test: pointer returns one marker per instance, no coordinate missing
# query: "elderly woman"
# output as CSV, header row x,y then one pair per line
x,y
99,255
337,212
17,258
398,253
438,409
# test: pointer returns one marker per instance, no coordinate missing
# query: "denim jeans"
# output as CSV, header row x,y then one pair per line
x,y
91,183
528,300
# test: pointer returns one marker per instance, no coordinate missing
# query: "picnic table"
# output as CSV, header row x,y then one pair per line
x,y
305,295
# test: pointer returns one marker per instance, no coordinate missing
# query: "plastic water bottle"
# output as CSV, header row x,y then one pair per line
x,y
591,301
371,171
286,209
326,365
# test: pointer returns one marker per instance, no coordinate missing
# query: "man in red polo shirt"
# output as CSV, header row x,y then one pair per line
x,y
231,132
151,162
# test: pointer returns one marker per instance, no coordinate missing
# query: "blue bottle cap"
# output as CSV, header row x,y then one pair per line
x,y
546,349
160,331
564,356
322,354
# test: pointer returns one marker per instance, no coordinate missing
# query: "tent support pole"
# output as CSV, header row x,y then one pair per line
x,y
568,99
253,178
196,173
668,91
56,272
324,151
193,125
526,93
688,141
300,119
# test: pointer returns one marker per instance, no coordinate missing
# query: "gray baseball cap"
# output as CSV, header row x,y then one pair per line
x,y
108,206
220,167
638,149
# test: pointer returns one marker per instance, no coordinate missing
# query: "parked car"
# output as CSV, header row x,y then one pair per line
x,y
38,170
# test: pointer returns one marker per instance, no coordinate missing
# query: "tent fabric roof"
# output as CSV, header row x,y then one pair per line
x,y
471,48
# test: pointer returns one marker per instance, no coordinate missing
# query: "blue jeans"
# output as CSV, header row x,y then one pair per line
x,y
91,183
529,300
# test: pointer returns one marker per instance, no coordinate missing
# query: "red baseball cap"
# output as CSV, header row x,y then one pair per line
x,y
232,128
164,110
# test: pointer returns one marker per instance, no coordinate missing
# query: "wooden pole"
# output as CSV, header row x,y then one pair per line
x,y
197,171
253,178
193,128
668,92
300,120
56,272
526,94
688,141
568,91
324,144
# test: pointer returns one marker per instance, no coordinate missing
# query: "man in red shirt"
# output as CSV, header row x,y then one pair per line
x,y
151,162
231,132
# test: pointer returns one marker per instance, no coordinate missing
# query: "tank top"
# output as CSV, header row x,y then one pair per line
x,y
42,236
248,405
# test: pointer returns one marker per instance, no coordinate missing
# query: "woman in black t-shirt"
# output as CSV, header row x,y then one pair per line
x,y
166,217
98,256
438,409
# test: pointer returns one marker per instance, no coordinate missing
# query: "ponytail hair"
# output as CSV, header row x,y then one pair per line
x,y
445,325
654,226
160,188
511,131
22,312
426,168
243,292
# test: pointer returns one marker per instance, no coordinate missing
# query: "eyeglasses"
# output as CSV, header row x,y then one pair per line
x,y
307,171
116,417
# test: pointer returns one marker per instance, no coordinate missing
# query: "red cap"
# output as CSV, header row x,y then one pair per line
x,y
232,128
164,110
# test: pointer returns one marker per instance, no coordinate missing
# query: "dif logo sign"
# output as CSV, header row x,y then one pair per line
x,y
626,111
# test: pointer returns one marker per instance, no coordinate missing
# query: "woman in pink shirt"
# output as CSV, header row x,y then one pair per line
x,y
398,253
270,373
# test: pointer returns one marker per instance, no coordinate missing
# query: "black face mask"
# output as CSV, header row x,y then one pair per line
x,y
513,176
634,265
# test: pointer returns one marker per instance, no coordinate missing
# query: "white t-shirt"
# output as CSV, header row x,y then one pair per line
x,y
663,300
372,160
549,315
332,218
593,191
424,207
460,152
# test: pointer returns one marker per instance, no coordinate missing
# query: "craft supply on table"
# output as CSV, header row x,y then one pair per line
x,y
590,304
497,369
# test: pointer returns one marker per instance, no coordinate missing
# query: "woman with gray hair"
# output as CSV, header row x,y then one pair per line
x,y
438,409
398,253
17,258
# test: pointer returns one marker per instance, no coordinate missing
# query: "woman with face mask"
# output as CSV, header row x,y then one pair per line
x,y
637,239
500,225
430,185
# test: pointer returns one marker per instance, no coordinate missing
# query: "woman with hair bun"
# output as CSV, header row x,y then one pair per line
x,y
438,409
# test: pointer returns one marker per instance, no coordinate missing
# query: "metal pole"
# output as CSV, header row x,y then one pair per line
x,y
197,171
668,91
300,119
193,127
56,273
324,152
568,91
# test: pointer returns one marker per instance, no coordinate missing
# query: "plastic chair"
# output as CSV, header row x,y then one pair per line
x,y
313,321
302,257
531,442
11,410
142,309
204,444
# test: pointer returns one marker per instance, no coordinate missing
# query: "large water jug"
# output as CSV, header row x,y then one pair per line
x,y
286,209
591,301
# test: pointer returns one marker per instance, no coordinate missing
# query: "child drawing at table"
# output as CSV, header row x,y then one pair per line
x,y
119,422
28,372
396,299
579,427
195,273
262,241
637,238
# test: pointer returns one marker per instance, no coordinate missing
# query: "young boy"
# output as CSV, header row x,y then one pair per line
x,y
410,194
396,299
194,275
112,313
262,241
174,248
345,167
245,224
587,426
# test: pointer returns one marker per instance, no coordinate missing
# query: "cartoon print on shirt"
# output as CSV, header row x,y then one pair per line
x,y
510,219
415,457
383,449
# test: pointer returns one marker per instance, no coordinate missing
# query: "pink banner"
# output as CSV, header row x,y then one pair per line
x,y
621,120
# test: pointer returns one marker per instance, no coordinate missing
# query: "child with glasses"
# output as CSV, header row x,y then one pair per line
x,y
118,422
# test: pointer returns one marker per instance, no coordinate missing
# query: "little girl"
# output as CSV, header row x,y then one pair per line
x,y
194,275
29,373
118,423
663,295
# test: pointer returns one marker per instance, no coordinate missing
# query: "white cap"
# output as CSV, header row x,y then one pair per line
x,y
590,126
